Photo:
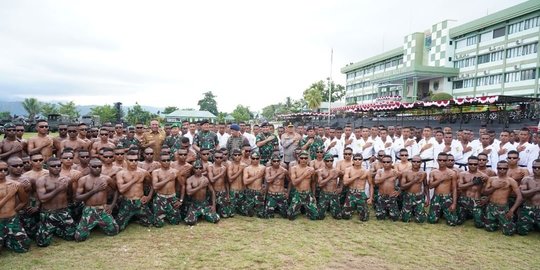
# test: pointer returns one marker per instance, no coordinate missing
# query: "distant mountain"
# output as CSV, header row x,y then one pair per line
x,y
16,108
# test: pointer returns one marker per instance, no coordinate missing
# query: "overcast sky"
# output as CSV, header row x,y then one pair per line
x,y
163,53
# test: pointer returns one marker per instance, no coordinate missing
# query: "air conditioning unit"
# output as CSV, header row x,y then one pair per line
x,y
516,67
486,72
518,41
491,48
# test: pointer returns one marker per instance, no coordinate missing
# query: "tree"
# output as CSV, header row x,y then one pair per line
x,y
169,109
441,96
241,114
314,98
220,117
106,113
119,112
32,106
69,109
49,108
137,114
208,103
338,91
5,115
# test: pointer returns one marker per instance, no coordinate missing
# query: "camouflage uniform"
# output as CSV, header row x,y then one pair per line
x,y
127,142
206,140
266,150
356,200
442,202
30,221
276,201
387,206
468,207
529,215
495,215
305,199
235,143
317,143
163,209
93,216
76,209
129,208
329,201
174,143
197,209
58,222
12,235
254,201
238,205
223,205
413,205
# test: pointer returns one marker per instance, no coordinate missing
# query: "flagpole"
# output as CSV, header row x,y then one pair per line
x,y
330,86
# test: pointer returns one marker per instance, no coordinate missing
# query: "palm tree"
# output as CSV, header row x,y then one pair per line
x,y
32,107
313,98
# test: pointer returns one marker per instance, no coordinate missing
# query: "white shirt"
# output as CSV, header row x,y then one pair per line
x,y
388,150
429,153
336,150
528,155
251,139
495,157
223,139
190,136
358,147
412,150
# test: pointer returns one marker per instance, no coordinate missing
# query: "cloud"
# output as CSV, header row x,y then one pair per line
x,y
164,53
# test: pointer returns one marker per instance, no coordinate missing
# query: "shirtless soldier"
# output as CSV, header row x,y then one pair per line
x,y
470,187
216,175
41,143
12,199
330,190
92,190
10,146
102,143
529,213
165,204
73,142
482,165
416,192
444,181
498,212
197,186
355,178
253,180
303,196
341,166
277,195
29,214
235,174
133,203
386,179
52,191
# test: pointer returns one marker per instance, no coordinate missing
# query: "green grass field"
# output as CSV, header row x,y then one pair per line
x,y
248,243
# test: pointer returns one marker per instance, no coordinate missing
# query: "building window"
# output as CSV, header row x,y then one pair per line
x,y
496,56
489,80
523,25
468,83
522,50
457,85
472,40
516,76
499,32
467,62
484,58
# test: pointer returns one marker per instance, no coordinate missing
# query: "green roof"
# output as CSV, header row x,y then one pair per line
x,y
377,58
497,17
191,114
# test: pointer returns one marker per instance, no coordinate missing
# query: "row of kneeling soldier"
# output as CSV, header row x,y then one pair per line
x,y
110,187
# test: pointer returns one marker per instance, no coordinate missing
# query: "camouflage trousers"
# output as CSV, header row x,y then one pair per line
x,y
200,209
254,201
528,217
57,222
12,235
469,207
303,199
133,208
441,203
495,216
356,201
329,201
413,206
276,202
223,204
387,207
30,221
237,198
163,208
93,216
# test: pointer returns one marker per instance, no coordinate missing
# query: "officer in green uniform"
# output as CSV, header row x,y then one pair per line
x,y
311,143
267,143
